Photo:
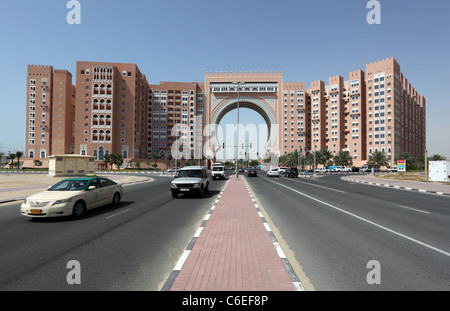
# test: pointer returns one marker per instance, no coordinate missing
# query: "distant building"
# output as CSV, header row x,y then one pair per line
x,y
113,109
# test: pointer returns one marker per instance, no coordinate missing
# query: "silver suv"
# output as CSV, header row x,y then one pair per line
x,y
190,179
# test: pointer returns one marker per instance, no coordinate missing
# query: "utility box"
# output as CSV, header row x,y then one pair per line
x,y
439,171
70,165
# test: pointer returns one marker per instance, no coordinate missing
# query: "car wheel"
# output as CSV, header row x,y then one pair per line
x,y
79,209
116,199
207,188
174,195
202,191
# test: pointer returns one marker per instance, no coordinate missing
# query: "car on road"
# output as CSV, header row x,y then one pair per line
x,y
282,169
252,172
273,172
173,170
321,170
392,169
218,172
342,169
190,179
292,172
72,197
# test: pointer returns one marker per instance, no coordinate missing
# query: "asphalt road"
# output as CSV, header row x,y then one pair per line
x,y
330,230
131,247
334,231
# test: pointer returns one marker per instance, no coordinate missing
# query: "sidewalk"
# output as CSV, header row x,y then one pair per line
x,y
234,250
428,187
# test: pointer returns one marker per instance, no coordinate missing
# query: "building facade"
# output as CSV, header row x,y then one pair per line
x,y
50,112
114,109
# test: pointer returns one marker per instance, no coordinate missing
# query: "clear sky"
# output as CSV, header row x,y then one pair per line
x,y
180,40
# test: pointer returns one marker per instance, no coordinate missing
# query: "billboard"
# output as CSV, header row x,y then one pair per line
x,y
401,165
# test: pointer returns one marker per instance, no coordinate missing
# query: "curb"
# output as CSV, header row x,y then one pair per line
x,y
397,187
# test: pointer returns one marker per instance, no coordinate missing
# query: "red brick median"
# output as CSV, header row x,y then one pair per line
x,y
234,251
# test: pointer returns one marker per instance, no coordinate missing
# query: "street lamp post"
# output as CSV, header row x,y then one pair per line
x,y
237,124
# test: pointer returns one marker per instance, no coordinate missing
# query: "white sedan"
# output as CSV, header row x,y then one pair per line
x,y
72,197
273,172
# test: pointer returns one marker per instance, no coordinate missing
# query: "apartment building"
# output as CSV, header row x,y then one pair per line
x,y
395,111
113,109
50,112
171,104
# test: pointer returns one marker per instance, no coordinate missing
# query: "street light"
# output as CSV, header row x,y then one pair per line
x,y
237,124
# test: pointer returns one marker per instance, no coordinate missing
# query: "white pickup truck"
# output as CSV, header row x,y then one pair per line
x,y
342,169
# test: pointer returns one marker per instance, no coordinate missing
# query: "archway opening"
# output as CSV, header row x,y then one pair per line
x,y
253,134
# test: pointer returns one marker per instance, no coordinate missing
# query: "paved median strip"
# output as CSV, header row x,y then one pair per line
x,y
292,275
176,270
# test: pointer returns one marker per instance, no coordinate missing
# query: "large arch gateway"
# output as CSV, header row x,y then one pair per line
x,y
261,92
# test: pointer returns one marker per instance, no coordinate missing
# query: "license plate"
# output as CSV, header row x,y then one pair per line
x,y
36,211
184,189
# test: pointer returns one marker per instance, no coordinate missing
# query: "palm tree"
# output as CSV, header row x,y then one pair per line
x,y
437,157
11,157
379,159
19,154
342,158
323,156
155,156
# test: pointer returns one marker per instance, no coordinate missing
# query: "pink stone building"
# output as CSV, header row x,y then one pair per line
x,y
113,109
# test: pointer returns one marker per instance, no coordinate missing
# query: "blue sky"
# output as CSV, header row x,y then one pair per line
x,y
181,40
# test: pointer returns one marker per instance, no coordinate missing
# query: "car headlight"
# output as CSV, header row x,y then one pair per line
x,y
173,186
62,201
196,185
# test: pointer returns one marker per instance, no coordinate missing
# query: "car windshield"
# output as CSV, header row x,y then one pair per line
x,y
69,185
217,168
190,173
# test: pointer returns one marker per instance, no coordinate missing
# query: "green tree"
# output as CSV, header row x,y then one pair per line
x,y
11,158
323,156
254,163
107,159
378,158
342,158
148,163
116,159
437,157
155,156
19,154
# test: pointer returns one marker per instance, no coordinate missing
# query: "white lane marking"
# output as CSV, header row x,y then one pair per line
x,y
309,184
414,209
117,213
368,221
